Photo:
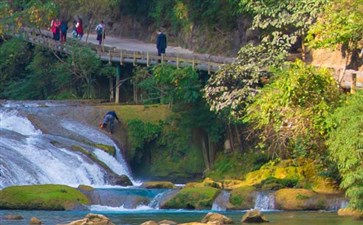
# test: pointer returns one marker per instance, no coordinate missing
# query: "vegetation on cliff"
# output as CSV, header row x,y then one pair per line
x,y
258,104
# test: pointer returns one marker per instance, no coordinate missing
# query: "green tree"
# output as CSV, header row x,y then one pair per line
x,y
289,113
181,88
345,144
31,14
84,65
14,56
38,79
283,22
232,87
340,23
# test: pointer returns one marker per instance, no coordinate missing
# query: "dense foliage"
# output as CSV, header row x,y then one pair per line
x,y
340,23
346,146
283,22
233,86
33,72
181,88
290,112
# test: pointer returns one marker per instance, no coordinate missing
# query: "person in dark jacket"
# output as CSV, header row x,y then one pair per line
x,y
109,117
161,43
63,30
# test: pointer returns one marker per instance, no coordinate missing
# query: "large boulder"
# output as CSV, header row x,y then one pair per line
x,y
242,198
122,180
35,221
217,219
92,219
42,197
150,222
12,217
192,198
167,222
253,216
299,199
357,214
158,184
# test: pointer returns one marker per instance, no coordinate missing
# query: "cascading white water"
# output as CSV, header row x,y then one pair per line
x,y
118,164
28,156
265,201
220,203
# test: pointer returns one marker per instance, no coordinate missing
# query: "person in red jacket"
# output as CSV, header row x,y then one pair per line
x,y
79,28
55,28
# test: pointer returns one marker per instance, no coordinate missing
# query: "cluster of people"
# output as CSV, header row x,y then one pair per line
x,y
60,28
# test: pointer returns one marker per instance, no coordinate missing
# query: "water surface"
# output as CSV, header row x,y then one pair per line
x,y
136,217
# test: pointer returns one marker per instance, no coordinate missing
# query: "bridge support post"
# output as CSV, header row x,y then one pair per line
x,y
353,85
118,84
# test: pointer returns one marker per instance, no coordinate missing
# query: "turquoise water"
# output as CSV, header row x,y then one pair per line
x,y
135,217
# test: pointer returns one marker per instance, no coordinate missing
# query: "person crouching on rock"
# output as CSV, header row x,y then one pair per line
x,y
109,117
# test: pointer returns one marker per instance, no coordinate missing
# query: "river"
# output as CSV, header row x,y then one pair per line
x,y
36,140
136,217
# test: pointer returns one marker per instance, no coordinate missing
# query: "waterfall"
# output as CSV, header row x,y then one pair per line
x,y
220,203
162,197
30,156
265,201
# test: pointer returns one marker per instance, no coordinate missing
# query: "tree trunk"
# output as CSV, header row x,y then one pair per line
x,y
89,27
112,94
238,136
303,48
230,135
211,151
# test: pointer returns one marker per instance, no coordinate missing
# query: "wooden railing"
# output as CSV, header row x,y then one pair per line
x,y
203,62
349,79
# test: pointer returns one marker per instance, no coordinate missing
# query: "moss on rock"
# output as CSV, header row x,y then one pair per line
x,y
41,197
107,148
299,199
193,198
242,198
158,184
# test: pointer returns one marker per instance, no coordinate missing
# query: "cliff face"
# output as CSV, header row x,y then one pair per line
x,y
214,41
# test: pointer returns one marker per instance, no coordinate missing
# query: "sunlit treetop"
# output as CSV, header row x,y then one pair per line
x,y
340,23
32,14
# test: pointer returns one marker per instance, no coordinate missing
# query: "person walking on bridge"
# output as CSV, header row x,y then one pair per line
x,y
109,118
100,29
63,30
54,27
79,28
161,42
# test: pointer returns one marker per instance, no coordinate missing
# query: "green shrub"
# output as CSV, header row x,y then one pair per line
x,y
273,183
345,144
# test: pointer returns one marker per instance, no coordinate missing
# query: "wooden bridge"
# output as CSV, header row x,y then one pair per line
x,y
348,79
202,62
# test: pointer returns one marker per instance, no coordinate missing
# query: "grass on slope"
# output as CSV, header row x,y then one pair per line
x,y
148,113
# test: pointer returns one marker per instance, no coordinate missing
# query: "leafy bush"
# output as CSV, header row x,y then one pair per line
x,y
140,136
345,145
273,183
289,113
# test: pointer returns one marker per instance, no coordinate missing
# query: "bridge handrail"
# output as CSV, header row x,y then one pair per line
x,y
201,61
